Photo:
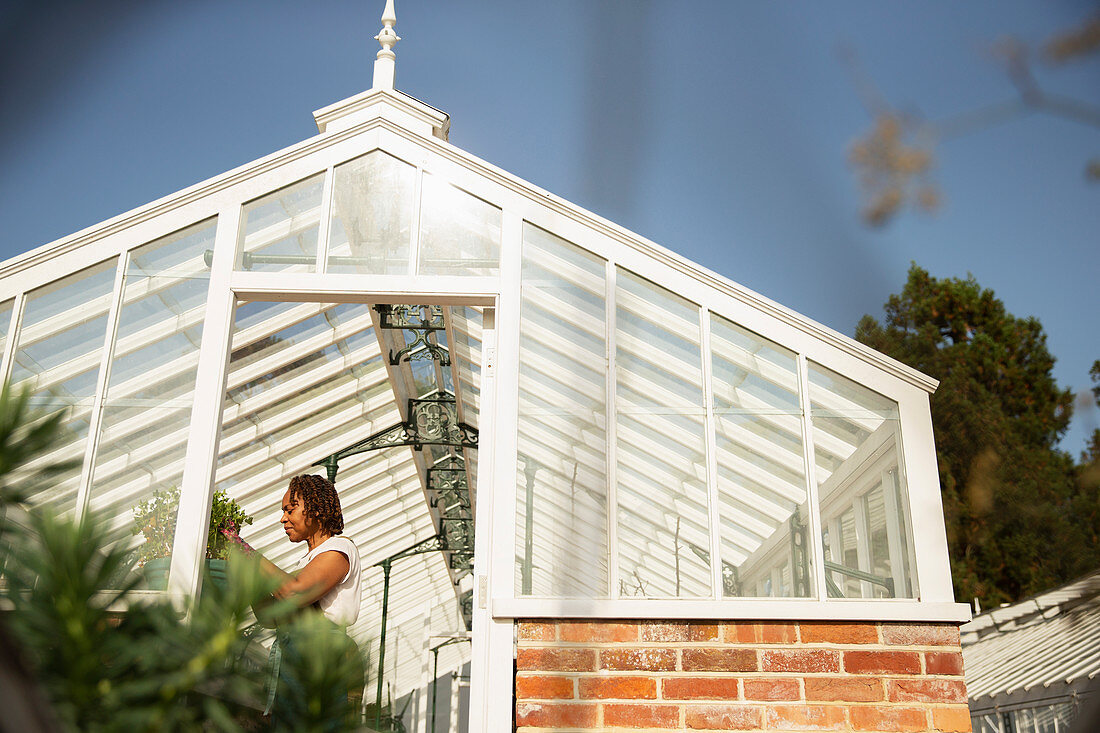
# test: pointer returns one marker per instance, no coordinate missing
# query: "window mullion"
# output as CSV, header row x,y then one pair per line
x,y
106,358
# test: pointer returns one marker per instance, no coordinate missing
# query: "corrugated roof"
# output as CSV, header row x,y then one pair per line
x,y
1042,647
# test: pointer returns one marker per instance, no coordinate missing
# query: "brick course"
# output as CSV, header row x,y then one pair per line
x,y
765,677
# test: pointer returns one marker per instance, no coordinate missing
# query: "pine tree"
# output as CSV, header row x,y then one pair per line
x,y
1016,505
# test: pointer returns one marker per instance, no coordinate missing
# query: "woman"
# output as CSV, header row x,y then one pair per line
x,y
329,574
327,577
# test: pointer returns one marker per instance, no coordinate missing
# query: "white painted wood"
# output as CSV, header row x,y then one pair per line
x,y
734,609
311,287
102,380
204,431
895,527
13,337
717,589
813,502
325,223
933,569
612,431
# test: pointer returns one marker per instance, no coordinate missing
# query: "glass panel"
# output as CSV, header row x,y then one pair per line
x,y
761,465
58,353
147,408
5,322
372,210
279,231
864,506
662,512
459,234
561,523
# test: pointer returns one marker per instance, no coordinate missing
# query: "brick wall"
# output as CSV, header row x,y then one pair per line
x,y
767,676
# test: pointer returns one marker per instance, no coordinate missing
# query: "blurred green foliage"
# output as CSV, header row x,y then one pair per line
x,y
1010,495
109,658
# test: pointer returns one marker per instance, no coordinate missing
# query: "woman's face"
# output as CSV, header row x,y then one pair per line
x,y
296,524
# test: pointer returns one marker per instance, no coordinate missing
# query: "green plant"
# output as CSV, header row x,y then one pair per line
x,y
104,662
155,518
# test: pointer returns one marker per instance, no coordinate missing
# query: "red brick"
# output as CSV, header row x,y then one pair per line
x,y
921,634
767,632
703,632
595,631
699,688
844,689
665,632
778,688
641,716
556,660
801,660
723,717
925,690
882,662
719,660
872,717
653,660
814,633
951,720
531,631
943,663
557,715
537,687
618,688
806,717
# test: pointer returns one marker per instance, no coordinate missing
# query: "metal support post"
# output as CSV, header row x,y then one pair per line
x,y
387,565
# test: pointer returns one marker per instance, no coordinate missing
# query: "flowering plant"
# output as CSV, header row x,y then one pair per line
x,y
155,519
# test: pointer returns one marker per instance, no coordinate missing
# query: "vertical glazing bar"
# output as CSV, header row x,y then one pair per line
x,y
95,418
204,431
813,505
611,431
414,227
492,654
13,336
894,527
326,221
718,588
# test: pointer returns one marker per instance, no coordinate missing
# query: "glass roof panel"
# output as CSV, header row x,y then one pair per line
x,y
58,352
459,234
372,213
279,230
143,428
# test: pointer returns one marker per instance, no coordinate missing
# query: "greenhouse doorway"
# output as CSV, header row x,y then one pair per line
x,y
384,399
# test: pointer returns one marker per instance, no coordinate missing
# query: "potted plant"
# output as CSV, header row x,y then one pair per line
x,y
155,519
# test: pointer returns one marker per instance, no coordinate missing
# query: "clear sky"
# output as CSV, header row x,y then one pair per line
x,y
719,129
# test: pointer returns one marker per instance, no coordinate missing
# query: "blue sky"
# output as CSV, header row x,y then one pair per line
x,y
718,129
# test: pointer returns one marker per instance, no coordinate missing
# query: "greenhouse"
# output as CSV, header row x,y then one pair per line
x,y
538,422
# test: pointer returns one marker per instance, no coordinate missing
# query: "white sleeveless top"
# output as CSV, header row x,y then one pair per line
x,y
341,604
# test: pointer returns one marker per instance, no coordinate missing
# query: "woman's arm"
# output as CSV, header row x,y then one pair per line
x,y
322,574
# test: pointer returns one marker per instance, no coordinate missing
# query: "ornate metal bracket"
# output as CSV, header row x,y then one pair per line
x,y
421,320
433,420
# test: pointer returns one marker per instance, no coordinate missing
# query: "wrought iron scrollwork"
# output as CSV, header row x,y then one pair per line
x,y
433,420
422,321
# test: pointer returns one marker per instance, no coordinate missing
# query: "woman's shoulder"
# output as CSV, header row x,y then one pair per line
x,y
339,543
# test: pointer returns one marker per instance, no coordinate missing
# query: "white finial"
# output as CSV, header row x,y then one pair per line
x,y
384,61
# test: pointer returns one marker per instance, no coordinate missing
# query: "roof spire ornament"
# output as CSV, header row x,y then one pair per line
x,y
384,61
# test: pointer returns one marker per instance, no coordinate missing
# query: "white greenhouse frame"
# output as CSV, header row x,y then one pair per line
x,y
392,122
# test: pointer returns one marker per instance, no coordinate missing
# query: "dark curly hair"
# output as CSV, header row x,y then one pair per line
x,y
319,501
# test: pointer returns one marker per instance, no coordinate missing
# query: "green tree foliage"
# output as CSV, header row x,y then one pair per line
x,y
1016,506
